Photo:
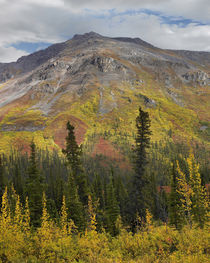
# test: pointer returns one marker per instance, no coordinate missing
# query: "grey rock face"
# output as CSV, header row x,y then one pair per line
x,y
198,77
106,64
29,127
203,128
150,103
28,63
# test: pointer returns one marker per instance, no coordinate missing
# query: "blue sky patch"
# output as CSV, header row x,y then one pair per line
x,y
31,47
170,20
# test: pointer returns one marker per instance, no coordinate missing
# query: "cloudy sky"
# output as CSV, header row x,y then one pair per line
x,y
29,25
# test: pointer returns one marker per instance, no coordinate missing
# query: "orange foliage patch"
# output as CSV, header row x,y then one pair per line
x,y
167,189
21,145
105,148
61,132
2,115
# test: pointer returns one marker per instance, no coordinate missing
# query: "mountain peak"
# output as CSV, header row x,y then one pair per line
x,y
86,35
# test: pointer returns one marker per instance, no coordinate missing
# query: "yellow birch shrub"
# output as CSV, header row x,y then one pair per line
x,y
12,241
18,233
46,245
185,193
26,219
64,220
199,197
148,220
67,249
91,215
192,246
193,197
5,228
93,246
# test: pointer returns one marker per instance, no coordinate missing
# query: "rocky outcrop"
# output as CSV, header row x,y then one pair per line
x,y
150,103
26,127
28,63
106,64
199,77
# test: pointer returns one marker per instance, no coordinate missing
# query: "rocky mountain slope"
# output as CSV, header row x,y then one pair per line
x,y
98,83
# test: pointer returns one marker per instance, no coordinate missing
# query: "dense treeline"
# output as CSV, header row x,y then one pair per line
x,y
60,194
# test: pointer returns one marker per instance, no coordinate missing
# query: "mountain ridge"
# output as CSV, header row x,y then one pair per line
x,y
99,82
25,64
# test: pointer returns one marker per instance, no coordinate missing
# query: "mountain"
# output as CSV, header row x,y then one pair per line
x,y
98,83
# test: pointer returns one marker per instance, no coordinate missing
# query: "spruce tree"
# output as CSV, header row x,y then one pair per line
x,y
154,197
98,196
76,210
175,217
73,154
163,205
34,188
18,182
140,180
98,190
121,193
2,179
112,210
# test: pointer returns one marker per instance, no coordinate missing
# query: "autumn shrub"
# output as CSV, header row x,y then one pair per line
x,y
61,243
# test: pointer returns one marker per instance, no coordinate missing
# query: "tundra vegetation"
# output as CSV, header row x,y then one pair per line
x,y
71,207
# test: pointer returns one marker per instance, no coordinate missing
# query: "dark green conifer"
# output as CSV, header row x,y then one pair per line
x,y
73,154
75,208
121,194
112,209
34,188
98,190
99,197
140,180
18,182
154,198
2,179
175,217
163,205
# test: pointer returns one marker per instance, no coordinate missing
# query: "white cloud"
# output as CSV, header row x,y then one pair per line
x,y
56,20
151,29
192,9
8,54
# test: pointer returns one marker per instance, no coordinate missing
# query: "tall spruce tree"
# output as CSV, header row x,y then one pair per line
x,y
73,154
34,188
112,210
98,196
154,197
175,217
76,210
18,182
2,179
140,179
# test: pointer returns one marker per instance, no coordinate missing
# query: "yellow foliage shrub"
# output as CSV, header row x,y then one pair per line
x,y
55,243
